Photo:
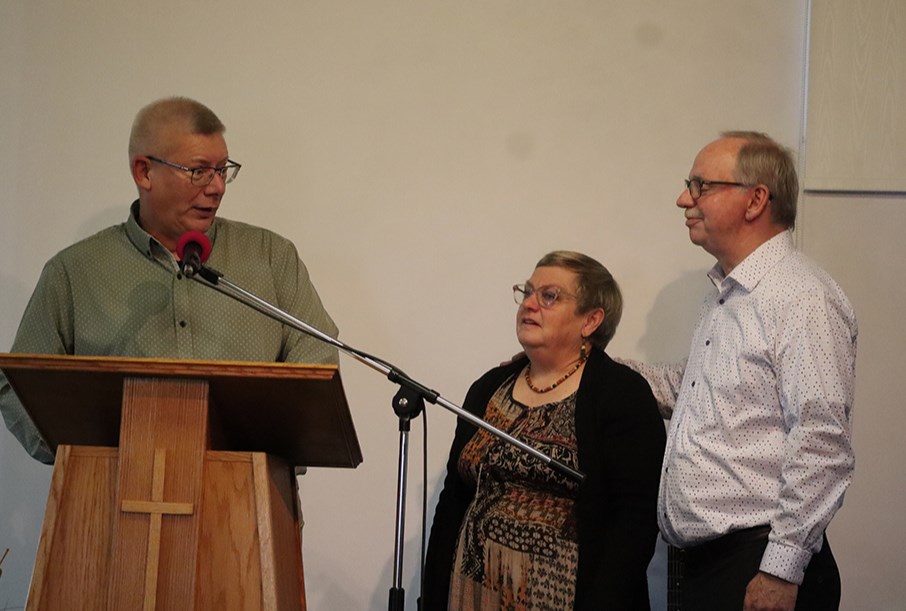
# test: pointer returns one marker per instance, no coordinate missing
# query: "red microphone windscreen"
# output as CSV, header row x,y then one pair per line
x,y
194,237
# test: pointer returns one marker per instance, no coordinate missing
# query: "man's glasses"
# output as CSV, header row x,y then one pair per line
x,y
695,186
547,295
203,176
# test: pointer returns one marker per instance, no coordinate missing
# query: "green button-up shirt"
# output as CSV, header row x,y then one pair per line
x,y
120,293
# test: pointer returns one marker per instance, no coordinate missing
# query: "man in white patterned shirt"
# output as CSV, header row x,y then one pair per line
x,y
759,450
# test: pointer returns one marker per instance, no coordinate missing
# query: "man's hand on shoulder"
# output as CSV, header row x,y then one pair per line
x,y
769,593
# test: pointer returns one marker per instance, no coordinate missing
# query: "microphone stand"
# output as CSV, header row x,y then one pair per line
x,y
408,403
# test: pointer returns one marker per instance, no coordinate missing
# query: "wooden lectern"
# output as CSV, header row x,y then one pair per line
x,y
173,484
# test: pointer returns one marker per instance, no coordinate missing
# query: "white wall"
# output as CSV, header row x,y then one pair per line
x,y
859,241
422,155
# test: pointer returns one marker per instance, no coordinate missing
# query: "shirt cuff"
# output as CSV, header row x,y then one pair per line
x,y
785,561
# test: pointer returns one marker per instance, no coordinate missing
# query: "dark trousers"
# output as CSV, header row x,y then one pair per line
x,y
714,576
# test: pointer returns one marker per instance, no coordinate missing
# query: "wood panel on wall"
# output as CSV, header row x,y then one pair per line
x,y
855,132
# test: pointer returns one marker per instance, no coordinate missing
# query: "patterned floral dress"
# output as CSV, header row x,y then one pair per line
x,y
517,546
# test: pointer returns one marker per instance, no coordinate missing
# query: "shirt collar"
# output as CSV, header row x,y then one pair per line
x,y
145,242
140,238
753,268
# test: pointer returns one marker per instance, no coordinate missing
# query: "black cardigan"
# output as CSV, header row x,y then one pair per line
x,y
620,439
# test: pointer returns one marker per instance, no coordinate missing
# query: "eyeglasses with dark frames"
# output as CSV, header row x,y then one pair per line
x,y
547,295
202,176
695,185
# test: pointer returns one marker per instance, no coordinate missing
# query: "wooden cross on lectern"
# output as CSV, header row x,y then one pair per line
x,y
157,508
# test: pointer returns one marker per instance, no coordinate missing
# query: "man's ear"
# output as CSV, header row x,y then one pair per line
x,y
758,203
141,168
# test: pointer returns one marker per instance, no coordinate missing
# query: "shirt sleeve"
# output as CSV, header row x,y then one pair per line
x,y
815,365
665,381
46,328
297,295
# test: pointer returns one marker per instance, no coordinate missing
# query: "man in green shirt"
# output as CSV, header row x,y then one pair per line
x,y
120,292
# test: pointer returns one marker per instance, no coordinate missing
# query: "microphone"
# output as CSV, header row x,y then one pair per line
x,y
193,249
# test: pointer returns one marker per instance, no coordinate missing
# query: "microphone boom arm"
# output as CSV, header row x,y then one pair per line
x,y
215,280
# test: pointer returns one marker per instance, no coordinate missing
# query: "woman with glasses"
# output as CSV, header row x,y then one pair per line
x,y
511,533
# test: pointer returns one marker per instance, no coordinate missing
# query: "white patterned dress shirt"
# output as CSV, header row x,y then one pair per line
x,y
762,409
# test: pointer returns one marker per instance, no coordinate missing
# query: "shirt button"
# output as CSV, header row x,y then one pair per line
x,y
708,342
721,302
182,323
179,276
693,383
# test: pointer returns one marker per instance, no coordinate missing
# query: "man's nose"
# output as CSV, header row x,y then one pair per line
x,y
685,199
217,185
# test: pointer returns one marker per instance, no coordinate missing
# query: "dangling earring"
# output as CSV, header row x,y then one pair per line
x,y
583,354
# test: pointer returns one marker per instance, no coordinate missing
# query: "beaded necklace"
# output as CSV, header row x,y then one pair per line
x,y
528,375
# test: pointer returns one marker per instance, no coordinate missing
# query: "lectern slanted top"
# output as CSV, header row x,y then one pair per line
x,y
295,412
